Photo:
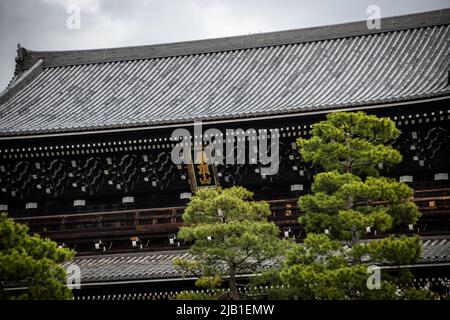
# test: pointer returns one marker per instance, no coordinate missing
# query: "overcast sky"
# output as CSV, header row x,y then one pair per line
x,y
42,24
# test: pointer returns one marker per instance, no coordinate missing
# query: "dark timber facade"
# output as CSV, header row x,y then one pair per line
x,y
85,136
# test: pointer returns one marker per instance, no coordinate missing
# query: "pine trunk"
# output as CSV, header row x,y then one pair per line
x,y
232,283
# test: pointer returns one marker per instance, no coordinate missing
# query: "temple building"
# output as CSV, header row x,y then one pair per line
x,y
85,137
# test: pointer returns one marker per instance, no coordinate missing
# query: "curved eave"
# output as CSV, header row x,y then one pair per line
x,y
217,120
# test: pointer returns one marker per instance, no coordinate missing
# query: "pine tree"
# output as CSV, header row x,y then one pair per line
x,y
32,262
349,200
230,235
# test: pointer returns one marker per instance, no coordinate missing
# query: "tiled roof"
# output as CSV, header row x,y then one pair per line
x,y
275,73
436,250
159,265
133,266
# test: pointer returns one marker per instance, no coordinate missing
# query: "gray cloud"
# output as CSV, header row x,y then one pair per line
x,y
41,25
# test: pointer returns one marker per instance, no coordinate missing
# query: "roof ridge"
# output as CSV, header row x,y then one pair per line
x,y
242,42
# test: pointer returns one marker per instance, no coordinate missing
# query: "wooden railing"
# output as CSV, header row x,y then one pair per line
x,y
162,221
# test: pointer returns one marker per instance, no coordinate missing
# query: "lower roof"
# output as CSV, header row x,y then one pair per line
x,y
158,266
406,61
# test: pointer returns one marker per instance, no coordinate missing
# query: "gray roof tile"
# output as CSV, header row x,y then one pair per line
x,y
282,73
159,265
